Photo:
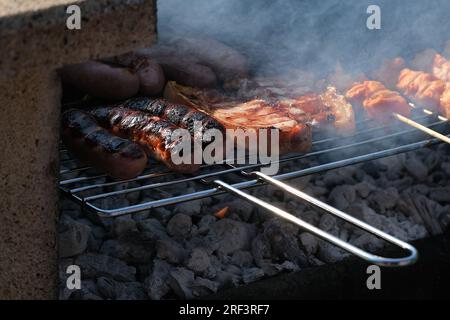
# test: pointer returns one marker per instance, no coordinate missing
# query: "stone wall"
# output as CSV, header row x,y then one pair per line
x,y
35,42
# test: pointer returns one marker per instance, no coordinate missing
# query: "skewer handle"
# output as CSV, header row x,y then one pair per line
x,y
374,259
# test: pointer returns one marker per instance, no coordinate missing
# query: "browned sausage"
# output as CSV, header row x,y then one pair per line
x,y
227,63
102,80
188,73
180,115
154,134
118,157
185,70
151,75
151,78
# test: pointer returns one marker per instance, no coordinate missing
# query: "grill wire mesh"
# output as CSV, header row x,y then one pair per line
x,y
158,187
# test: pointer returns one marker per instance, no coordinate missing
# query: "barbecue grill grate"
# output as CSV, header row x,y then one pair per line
x,y
96,192
369,142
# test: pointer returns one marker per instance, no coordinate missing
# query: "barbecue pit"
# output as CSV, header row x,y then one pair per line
x,y
95,203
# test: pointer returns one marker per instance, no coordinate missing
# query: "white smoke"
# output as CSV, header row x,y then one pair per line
x,y
311,35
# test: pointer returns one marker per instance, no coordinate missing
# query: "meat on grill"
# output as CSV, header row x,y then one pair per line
x,y
197,122
441,68
326,111
445,101
118,157
252,115
421,87
378,101
154,134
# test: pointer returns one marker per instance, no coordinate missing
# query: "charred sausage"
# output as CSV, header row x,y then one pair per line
x,y
186,117
119,158
155,135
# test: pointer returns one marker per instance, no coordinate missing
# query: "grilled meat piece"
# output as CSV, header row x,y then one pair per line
x,y
154,134
119,158
180,115
378,101
441,68
326,111
255,115
444,106
421,87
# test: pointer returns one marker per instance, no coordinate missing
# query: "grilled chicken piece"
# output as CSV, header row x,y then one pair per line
x,y
421,87
255,114
441,68
378,101
445,102
326,111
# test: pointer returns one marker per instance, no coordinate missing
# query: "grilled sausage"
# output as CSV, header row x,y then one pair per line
x,y
155,135
189,118
188,73
119,158
227,63
180,68
102,80
151,78
151,75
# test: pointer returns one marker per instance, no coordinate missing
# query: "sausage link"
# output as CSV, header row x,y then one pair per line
x,y
195,121
118,157
154,134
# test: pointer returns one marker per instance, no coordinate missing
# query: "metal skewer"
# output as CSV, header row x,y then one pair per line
x,y
418,126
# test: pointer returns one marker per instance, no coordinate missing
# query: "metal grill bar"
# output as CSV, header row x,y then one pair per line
x,y
254,183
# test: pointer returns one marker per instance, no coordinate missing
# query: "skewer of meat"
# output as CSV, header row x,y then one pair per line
x,y
155,135
377,101
382,103
426,90
421,87
119,158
